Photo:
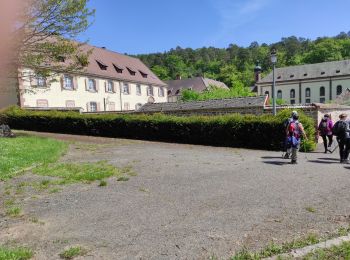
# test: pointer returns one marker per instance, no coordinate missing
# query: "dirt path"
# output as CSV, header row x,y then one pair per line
x,y
186,202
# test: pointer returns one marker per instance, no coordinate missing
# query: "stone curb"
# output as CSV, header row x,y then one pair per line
x,y
305,250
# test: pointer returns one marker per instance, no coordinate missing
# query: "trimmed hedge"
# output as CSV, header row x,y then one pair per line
x,y
233,130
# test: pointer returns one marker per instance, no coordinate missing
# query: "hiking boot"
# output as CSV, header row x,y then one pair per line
x,y
294,162
286,156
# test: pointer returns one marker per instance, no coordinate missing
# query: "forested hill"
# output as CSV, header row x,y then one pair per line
x,y
235,65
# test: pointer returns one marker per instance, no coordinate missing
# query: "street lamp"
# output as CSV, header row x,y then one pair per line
x,y
273,61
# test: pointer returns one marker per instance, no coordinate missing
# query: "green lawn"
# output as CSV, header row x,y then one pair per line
x,y
17,154
335,252
15,253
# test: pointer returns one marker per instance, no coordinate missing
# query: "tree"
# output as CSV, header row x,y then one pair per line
x,y
45,34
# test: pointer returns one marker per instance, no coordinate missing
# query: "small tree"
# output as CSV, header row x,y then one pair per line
x,y
45,33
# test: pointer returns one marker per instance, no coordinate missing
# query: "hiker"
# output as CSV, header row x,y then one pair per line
x,y
325,131
288,148
342,131
294,131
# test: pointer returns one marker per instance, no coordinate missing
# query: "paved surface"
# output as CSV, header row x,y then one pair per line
x,y
187,202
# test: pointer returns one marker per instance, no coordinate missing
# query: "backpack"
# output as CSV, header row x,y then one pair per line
x,y
324,127
339,129
294,129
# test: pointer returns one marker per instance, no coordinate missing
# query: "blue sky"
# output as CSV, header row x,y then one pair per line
x,y
147,26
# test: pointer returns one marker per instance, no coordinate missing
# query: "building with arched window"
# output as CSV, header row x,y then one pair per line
x,y
311,83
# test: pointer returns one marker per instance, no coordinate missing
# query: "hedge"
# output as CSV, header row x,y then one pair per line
x,y
233,130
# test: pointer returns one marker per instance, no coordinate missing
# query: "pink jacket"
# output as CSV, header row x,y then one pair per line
x,y
328,131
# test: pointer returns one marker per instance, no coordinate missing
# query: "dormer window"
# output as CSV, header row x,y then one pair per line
x,y
279,77
102,65
305,74
118,69
337,71
144,75
322,73
132,72
292,76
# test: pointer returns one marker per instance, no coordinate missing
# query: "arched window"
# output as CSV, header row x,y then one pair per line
x,y
322,91
279,94
307,92
267,93
292,93
339,90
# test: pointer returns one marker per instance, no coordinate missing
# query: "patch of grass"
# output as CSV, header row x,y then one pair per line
x,y
143,189
335,252
54,190
123,178
102,183
78,172
13,211
128,170
343,231
310,209
20,153
73,252
19,253
9,202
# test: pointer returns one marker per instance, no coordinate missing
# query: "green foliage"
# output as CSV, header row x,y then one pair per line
x,y
73,252
341,251
15,253
215,93
25,151
232,130
235,64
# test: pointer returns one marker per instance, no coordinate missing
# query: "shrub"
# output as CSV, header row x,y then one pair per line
x,y
233,130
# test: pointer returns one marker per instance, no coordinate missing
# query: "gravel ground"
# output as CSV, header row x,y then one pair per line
x,y
186,202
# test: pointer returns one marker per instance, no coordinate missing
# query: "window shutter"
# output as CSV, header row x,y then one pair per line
x,y
87,107
75,83
106,90
98,106
62,81
86,84
97,84
113,87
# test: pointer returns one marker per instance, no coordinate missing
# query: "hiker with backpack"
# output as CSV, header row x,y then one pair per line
x,y
325,131
294,132
342,131
288,148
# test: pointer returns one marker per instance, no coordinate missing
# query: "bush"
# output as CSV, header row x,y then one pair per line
x,y
233,130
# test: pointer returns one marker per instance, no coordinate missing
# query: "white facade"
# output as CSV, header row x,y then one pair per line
x,y
91,94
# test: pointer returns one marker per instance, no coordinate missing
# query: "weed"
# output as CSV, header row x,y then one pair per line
x,y
102,183
54,190
341,251
34,220
9,202
310,209
123,178
73,252
19,253
143,189
13,211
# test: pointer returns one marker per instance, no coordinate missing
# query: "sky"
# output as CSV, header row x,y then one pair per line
x,y
149,26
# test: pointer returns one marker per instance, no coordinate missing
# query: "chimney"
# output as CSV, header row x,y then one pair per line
x,y
257,72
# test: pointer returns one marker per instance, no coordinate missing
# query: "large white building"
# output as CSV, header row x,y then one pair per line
x,y
110,82
304,84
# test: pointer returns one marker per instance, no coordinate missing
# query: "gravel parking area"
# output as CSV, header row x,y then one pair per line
x,y
186,202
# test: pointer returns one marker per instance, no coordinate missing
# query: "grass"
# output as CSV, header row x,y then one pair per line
x,y
19,253
78,172
73,252
123,178
310,209
102,183
335,252
23,152
13,211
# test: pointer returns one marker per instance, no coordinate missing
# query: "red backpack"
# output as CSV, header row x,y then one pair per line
x,y
294,129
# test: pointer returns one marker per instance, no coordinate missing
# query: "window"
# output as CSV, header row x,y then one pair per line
x,y
118,69
339,90
70,103
144,75
308,92
322,91
138,89
41,81
292,101
279,94
111,106
150,91
161,92
307,101
92,107
102,65
279,77
109,86
68,82
132,72
337,71
292,93
322,73
92,85
138,106
169,92
42,103
305,74
292,76
267,93
126,89
322,100
126,106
